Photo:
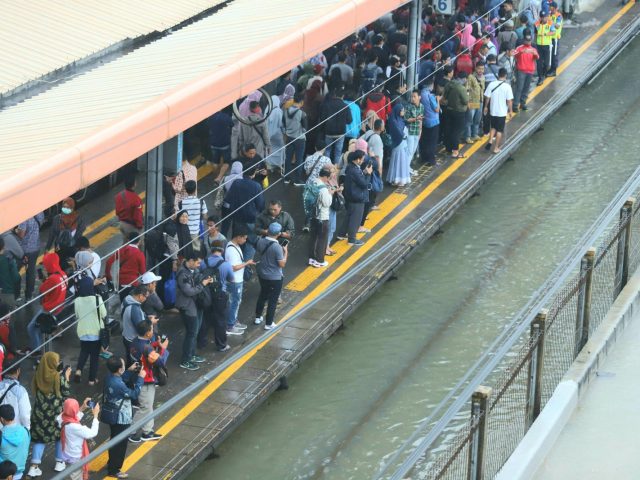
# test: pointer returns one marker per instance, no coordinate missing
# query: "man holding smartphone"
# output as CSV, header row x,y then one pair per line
x,y
273,258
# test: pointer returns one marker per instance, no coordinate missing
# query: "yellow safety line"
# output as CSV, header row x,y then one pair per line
x,y
174,421
311,274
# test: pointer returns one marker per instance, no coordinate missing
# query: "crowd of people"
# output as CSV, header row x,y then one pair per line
x,y
339,127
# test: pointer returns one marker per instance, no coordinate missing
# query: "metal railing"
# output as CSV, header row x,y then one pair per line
x,y
479,432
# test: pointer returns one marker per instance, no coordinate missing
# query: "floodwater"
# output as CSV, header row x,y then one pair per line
x,y
363,392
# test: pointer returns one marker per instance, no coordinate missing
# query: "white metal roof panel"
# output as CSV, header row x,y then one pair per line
x,y
41,36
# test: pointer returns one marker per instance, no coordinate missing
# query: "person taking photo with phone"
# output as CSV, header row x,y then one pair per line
x,y
273,258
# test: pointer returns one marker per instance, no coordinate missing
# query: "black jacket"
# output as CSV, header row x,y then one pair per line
x,y
335,125
356,184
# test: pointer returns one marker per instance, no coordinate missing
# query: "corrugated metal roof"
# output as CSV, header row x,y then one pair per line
x,y
42,36
73,134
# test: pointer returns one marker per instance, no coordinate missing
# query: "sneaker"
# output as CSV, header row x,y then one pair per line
x,y
224,349
198,359
188,366
469,140
235,331
298,183
311,262
34,471
356,243
60,466
524,108
475,139
136,438
270,327
121,475
287,181
306,229
258,320
241,326
321,264
341,237
413,173
151,436
540,82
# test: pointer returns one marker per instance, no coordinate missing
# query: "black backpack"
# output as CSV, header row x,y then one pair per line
x,y
215,287
65,239
368,79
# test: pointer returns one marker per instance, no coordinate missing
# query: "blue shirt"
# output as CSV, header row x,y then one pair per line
x,y
225,269
31,241
353,128
430,104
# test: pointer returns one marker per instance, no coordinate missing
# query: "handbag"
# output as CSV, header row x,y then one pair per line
x,y
103,336
161,374
337,202
170,290
376,182
47,322
109,412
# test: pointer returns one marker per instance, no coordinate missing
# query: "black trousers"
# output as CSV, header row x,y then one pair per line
x,y
544,62
127,352
214,317
269,294
455,125
428,144
89,350
367,206
117,452
319,239
352,220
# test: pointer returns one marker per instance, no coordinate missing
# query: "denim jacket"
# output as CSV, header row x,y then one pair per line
x,y
116,390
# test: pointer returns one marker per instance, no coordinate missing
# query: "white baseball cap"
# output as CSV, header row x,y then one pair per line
x,y
150,277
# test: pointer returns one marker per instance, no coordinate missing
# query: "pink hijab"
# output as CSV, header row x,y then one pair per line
x,y
244,109
467,40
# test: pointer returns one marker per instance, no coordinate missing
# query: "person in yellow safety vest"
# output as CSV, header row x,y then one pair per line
x,y
545,32
556,18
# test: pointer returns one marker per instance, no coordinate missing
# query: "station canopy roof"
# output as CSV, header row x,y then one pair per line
x,y
78,131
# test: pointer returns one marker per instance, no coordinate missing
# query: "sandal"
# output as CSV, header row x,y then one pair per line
x,y
329,253
459,155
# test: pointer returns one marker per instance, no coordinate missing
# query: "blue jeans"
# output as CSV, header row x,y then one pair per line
x,y
35,334
472,123
38,450
412,145
293,172
235,297
334,147
332,224
191,325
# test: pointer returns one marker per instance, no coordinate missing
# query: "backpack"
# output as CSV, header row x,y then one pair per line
x,y
310,196
214,287
65,239
203,299
368,79
154,243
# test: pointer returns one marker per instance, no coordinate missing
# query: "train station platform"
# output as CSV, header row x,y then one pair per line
x,y
192,430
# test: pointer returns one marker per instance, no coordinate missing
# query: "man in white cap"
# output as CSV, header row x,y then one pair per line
x,y
152,305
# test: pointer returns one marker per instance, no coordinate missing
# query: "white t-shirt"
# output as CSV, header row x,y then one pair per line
x,y
374,142
499,91
233,255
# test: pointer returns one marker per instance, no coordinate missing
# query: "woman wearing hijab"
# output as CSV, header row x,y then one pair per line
x,y
73,435
245,108
234,174
399,173
50,389
311,106
90,313
66,228
274,127
183,234
286,99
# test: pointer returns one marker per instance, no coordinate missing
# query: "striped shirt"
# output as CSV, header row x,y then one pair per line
x,y
196,208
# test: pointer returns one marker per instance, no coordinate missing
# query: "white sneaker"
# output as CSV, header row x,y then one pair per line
x,y
258,320
235,331
34,471
313,262
321,264
271,327
60,466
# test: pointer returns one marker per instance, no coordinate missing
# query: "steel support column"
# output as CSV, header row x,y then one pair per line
x,y
413,51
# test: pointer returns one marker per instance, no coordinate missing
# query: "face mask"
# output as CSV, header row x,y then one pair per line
x,y
66,210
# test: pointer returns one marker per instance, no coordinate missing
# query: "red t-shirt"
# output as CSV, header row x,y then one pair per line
x,y
526,57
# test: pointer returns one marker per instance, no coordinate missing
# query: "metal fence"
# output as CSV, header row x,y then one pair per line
x,y
489,426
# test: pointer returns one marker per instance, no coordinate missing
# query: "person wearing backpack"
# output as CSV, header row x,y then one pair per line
x,y
120,387
14,440
294,124
14,394
54,290
214,266
273,258
66,228
188,288
320,224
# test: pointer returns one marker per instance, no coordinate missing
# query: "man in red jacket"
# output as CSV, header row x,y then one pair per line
x,y
130,266
526,63
129,208
54,291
